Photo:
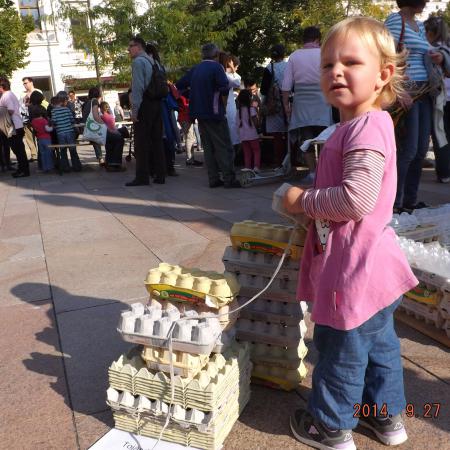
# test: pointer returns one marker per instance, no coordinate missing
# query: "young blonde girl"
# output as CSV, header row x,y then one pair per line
x,y
352,269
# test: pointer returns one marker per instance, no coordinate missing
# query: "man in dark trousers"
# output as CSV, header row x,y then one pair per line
x,y
208,83
147,118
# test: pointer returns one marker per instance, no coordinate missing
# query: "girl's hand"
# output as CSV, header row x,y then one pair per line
x,y
291,200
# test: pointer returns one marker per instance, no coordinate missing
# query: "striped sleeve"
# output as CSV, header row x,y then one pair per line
x,y
355,197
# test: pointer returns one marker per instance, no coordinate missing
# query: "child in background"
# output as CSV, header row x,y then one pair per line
x,y
107,117
43,129
63,120
187,129
352,268
247,126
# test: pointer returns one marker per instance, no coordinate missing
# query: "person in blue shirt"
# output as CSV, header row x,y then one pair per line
x,y
208,83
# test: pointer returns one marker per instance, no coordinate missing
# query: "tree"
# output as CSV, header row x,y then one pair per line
x,y
13,32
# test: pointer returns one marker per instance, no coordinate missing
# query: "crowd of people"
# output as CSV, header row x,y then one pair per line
x,y
212,109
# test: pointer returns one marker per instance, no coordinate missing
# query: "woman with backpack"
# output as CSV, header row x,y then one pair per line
x,y
309,113
272,106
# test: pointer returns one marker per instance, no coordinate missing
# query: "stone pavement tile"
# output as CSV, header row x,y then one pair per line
x,y
85,275
90,343
211,228
23,280
122,212
35,412
22,208
210,258
19,225
57,235
424,352
56,207
90,428
181,253
23,247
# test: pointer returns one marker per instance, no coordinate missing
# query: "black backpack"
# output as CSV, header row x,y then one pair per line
x,y
158,87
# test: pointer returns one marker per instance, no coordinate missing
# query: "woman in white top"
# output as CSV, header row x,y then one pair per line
x,y
9,101
310,113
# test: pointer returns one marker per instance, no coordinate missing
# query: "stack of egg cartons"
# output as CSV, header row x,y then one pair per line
x,y
430,300
211,370
273,324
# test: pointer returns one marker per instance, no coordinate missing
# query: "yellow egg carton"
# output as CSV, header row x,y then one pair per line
x,y
273,311
172,282
206,391
239,260
279,377
429,313
425,293
262,237
184,364
273,355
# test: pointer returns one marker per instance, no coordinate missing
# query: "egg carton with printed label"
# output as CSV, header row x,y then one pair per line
x,y
281,289
238,260
263,309
226,319
269,231
430,314
205,391
185,283
150,326
273,355
279,377
270,333
444,306
433,279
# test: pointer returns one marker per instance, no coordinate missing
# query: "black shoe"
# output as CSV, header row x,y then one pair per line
x,y
137,183
19,174
232,184
159,180
193,162
310,431
418,205
215,184
32,160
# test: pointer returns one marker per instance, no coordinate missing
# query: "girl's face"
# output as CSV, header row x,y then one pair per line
x,y
351,75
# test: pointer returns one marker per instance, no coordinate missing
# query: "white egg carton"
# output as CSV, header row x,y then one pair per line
x,y
433,279
266,310
430,314
206,391
270,333
446,327
150,326
444,306
237,260
425,233
280,377
281,289
273,355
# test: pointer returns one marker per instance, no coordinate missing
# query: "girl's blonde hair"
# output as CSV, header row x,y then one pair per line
x,y
377,36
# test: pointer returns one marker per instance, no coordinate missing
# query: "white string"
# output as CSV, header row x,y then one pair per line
x,y
214,316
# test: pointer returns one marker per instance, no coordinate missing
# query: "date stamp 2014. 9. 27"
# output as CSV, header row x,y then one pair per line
x,y
426,411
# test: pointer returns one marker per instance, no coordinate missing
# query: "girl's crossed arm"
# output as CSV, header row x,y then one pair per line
x,y
352,200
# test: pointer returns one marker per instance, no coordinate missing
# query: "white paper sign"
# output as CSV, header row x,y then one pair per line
x,y
122,440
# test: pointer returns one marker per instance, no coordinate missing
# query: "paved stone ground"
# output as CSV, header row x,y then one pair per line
x,y
74,251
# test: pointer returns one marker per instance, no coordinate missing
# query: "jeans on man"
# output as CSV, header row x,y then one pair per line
x,y
218,150
413,139
357,367
68,138
18,148
148,141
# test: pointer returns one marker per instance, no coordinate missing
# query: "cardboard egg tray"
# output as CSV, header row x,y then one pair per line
x,y
281,289
238,260
205,391
184,364
432,279
430,314
444,306
264,237
425,293
272,355
150,326
270,333
446,327
191,285
424,233
266,310
226,320
278,377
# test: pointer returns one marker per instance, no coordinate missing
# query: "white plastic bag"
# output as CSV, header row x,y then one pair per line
x,y
94,131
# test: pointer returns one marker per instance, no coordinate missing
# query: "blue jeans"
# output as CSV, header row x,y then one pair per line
x,y
413,141
45,154
68,138
356,367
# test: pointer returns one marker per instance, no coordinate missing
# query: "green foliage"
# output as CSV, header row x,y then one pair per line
x,y
13,32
